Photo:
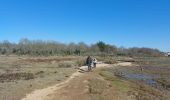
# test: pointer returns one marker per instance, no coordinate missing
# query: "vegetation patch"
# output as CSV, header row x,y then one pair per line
x,y
48,59
136,88
64,65
145,92
165,83
153,61
109,75
121,85
107,59
19,73
39,72
16,76
80,62
97,86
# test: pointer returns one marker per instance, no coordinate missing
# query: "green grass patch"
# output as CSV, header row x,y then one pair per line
x,y
120,84
107,75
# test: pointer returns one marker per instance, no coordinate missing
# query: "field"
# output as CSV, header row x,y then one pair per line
x,y
148,78
138,78
151,76
21,75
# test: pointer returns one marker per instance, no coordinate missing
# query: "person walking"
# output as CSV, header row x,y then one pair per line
x,y
94,62
89,62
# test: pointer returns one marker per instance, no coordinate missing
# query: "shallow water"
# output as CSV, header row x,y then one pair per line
x,y
148,79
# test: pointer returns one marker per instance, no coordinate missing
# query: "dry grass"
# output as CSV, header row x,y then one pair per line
x,y
109,87
145,92
8,77
164,82
97,86
81,62
107,60
21,75
138,89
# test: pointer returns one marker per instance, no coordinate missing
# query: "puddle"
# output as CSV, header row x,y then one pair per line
x,y
156,79
148,79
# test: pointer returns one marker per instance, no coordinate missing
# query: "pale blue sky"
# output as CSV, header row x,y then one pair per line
x,y
128,23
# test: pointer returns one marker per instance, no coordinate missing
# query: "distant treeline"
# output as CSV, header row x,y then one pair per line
x,y
52,48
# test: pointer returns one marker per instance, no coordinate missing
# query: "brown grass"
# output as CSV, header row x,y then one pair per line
x,y
145,92
21,75
7,77
97,86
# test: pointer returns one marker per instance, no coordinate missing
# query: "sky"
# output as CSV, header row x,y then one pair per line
x,y
127,23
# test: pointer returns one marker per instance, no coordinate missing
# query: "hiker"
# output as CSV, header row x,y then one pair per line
x,y
89,62
94,62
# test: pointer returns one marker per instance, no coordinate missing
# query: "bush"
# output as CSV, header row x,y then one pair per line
x,y
65,64
16,76
80,62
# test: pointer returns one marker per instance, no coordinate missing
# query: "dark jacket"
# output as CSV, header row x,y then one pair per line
x,y
88,60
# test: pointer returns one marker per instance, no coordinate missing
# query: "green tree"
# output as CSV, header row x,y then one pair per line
x,y
102,46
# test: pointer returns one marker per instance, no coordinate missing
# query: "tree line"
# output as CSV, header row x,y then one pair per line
x,y
52,48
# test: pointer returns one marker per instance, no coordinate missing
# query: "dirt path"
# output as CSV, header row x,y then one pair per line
x,y
70,89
